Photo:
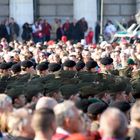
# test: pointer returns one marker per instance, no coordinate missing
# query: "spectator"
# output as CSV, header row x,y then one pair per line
x,y
14,29
134,124
27,32
68,120
66,28
97,32
113,124
44,124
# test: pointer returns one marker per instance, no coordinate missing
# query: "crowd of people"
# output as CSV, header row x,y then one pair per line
x,y
68,88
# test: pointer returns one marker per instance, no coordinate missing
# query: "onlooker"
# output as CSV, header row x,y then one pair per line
x,y
113,125
67,119
134,131
44,124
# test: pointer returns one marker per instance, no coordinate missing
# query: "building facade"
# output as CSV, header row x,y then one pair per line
x,y
28,10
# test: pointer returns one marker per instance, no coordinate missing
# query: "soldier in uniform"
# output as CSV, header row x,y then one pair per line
x,y
91,66
69,65
127,71
4,76
106,65
42,69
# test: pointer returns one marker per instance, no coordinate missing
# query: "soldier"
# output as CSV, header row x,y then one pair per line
x,y
106,65
27,67
54,68
94,112
80,65
91,66
42,69
69,65
127,71
4,76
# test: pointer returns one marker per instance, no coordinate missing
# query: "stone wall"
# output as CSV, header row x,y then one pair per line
x,y
55,8
4,9
119,9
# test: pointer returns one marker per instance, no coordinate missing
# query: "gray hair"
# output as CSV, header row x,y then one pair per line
x,y
46,102
113,123
5,100
63,110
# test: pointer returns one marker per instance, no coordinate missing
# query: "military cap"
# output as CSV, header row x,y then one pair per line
x,y
121,105
33,90
4,66
42,66
82,104
26,64
120,84
91,64
87,91
16,68
67,74
69,63
53,85
96,108
10,64
68,90
130,61
80,65
15,91
52,67
106,61
87,77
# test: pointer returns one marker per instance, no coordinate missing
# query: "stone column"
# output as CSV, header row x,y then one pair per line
x,y
21,11
137,5
87,9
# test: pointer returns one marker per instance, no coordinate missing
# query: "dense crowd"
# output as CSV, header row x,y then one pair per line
x,y
68,88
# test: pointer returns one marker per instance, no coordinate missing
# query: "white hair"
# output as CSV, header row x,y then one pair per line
x,y
63,110
18,119
46,102
5,100
113,123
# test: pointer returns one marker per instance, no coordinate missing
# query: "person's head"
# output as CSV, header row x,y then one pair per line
x,y
135,114
19,123
69,65
67,116
5,103
107,63
113,124
46,102
95,110
42,69
15,69
86,54
27,66
91,66
80,66
4,69
54,67
123,106
43,122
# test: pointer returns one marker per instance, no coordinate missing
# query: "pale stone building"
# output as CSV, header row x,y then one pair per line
x,y
28,10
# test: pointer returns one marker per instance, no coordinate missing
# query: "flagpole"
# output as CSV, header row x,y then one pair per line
x,y
102,9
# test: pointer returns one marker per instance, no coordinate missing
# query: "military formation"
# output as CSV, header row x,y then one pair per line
x,y
69,80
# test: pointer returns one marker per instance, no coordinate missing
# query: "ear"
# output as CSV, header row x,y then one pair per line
x,y
34,99
16,100
67,122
